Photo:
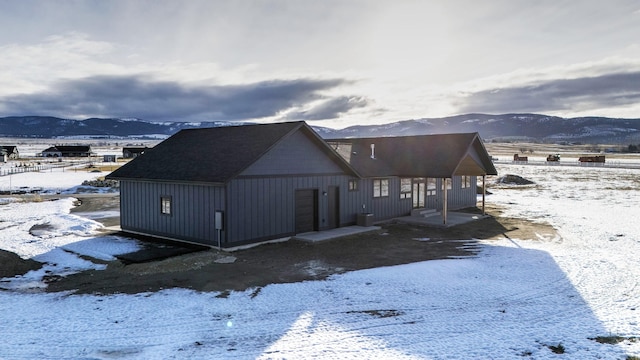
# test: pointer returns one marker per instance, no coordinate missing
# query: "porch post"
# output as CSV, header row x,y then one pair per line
x,y
484,192
445,202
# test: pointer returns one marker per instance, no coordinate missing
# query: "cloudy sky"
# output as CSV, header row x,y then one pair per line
x,y
332,62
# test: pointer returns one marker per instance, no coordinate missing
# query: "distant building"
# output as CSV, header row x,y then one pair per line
x,y
108,158
67,151
132,152
9,153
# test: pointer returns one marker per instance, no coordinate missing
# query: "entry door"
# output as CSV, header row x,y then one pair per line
x,y
418,187
306,210
333,207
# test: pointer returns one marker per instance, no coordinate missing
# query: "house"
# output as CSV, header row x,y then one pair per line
x,y
236,185
67,151
9,153
132,152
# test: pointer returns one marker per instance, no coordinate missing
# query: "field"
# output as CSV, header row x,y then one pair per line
x,y
528,294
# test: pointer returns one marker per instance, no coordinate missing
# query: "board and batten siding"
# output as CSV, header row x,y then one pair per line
x,y
457,197
384,208
192,210
261,199
294,155
262,208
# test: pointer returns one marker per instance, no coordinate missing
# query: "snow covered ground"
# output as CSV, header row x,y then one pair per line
x,y
520,298
52,180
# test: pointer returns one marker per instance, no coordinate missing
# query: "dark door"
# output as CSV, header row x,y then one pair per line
x,y
333,207
306,210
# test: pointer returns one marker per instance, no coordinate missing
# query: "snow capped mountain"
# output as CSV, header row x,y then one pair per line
x,y
52,127
507,127
532,127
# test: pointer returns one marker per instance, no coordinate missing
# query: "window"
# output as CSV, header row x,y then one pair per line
x,y
380,187
447,183
353,185
465,182
405,188
431,187
165,205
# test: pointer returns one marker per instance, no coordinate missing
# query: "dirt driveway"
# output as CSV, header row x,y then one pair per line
x,y
291,261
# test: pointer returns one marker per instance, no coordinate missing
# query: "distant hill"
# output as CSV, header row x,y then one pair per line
x,y
507,127
53,127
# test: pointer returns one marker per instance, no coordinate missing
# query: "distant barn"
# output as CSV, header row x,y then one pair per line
x,y
592,159
132,152
67,151
517,157
9,153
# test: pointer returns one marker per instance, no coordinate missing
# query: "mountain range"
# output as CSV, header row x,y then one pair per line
x,y
506,127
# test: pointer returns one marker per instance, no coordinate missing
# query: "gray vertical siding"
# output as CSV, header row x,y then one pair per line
x,y
457,197
192,213
264,208
258,208
261,199
295,155
392,206
389,206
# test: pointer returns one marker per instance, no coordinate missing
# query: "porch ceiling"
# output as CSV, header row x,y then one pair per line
x,y
470,167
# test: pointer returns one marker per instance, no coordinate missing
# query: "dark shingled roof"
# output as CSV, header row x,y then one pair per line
x,y
9,149
441,156
212,155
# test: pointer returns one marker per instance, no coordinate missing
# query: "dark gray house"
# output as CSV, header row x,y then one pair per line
x,y
230,186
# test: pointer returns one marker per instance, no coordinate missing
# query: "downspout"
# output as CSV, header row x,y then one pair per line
x,y
445,202
484,193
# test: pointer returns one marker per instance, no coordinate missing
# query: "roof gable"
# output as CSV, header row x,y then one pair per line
x,y
297,154
212,155
9,149
69,148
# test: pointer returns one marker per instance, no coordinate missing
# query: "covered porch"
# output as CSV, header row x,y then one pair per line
x,y
470,159
453,218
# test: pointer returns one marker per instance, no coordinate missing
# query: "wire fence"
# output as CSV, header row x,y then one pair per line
x,y
26,168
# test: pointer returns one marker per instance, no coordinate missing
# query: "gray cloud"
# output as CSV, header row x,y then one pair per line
x,y
587,93
331,108
141,97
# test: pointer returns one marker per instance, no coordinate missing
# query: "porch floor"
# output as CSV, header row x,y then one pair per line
x,y
315,236
453,219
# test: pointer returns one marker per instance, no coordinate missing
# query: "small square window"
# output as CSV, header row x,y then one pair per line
x,y
353,185
466,182
165,205
431,186
380,187
446,184
405,188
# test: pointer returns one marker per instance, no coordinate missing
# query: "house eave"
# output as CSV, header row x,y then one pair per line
x,y
167,181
